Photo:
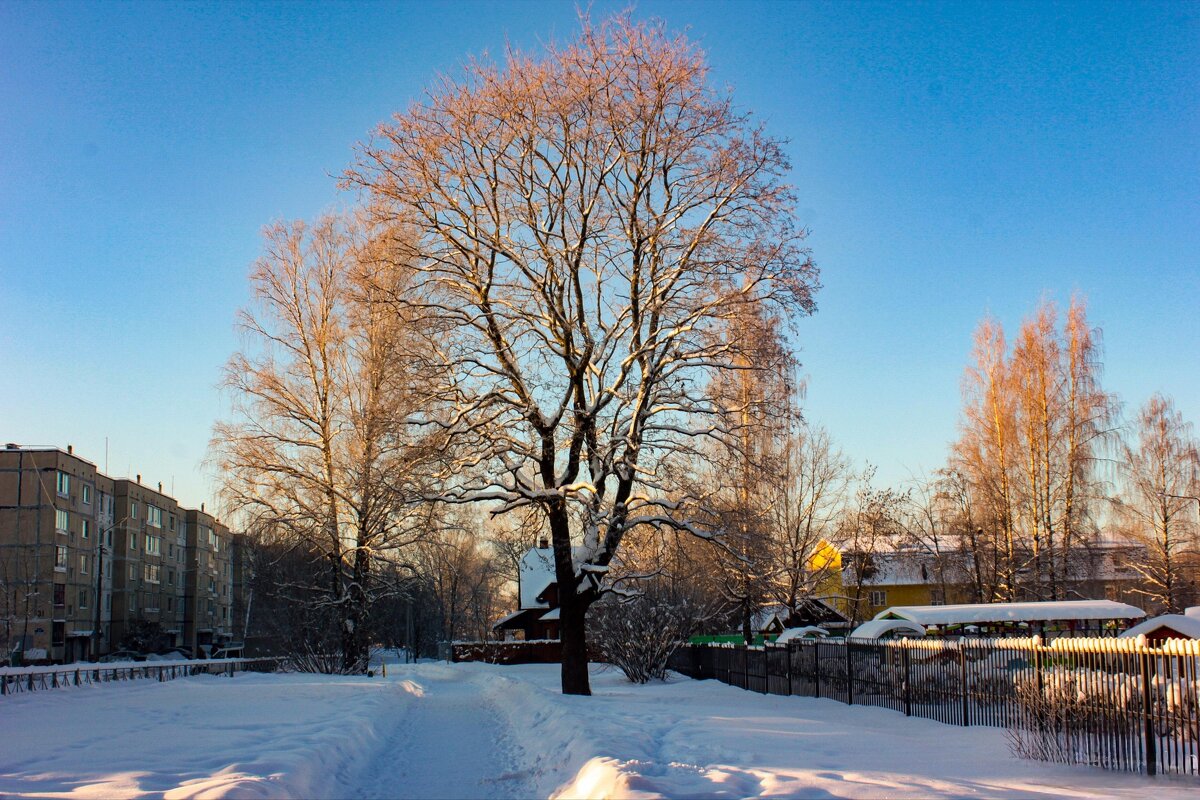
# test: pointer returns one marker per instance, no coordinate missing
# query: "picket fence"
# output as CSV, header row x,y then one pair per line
x,y
1121,704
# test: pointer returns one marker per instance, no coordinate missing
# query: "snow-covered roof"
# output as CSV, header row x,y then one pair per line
x,y
1012,612
765,615
550,615
1188,626
801,633
878,628
537,572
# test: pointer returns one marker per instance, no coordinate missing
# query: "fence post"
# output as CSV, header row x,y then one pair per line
x,y
1147,669
816,651
76,677
904,686
790,649
849,676
966,696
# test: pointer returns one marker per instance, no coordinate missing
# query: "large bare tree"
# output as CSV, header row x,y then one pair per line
x,y
588,223
319,449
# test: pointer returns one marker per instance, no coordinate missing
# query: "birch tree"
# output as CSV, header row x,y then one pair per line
x,y
1157,504
319,450
589,220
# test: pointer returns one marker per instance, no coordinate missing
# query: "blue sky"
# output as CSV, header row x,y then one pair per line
x,y
953,159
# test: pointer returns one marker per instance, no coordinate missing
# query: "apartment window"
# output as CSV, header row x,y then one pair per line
x,y
108,569
60,557
58,634
154,545
83,598
60,594
212,539
83,563
224,613
62,520
133,510
109,538
210,608
171,551
212,586
133,572
878,598
152,573
133,542
108,602
170,577
171,518
154,516
170,604
85,528
63,484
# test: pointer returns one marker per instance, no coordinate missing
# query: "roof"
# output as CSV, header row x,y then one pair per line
x,y
1188,626
536,572
765,615
1012,612
878,628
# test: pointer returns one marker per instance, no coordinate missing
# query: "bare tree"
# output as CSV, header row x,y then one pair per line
x,y
1157,503
870,526
809,493
588,223
319,449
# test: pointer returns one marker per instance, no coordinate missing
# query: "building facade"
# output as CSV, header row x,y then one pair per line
x,y
88,562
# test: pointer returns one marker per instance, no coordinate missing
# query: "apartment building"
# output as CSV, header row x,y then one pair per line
x,y
208,602
87,560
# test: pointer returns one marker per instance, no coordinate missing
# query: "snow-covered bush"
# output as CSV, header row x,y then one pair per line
x,y
638,634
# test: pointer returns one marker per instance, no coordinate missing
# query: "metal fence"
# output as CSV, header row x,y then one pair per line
x,y
25,679
1121,704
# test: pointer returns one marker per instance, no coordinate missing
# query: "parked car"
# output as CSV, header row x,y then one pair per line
x,y
122,655
174,654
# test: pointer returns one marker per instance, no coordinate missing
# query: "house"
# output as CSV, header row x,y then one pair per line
x,y
536,616
810,612
1168,626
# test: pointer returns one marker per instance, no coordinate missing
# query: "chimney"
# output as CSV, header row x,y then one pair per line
x,y
70,449
202,508
160,487
542,543
139,478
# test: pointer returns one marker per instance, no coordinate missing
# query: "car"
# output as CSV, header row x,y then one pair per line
x,y
122,655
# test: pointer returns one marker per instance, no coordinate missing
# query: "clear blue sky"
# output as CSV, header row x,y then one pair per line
x,y
952,159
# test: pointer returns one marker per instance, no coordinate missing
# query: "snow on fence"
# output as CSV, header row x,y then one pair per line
x,y
1121,704
31,679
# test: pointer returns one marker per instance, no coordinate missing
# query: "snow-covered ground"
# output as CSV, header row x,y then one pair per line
x,y
474,730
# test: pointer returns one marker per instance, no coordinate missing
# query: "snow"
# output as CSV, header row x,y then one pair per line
x,y
536,572
1181,624
1012,612
479,730
801,633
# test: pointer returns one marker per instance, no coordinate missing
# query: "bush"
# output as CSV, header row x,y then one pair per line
x,y
639,634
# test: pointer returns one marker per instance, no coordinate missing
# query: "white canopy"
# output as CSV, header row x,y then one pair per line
x,y
1012,612
800,633
879,628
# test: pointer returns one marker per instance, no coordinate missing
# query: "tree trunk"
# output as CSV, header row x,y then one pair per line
x,y
573,632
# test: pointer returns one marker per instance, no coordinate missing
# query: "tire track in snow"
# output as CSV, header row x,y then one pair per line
x,y
448,742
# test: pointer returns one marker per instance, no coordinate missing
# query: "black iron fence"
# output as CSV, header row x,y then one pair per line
x,y
29,679
1121,704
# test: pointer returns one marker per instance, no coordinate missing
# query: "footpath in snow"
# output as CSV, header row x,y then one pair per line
x,y
474,730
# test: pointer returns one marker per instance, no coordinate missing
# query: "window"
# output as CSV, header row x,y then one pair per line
x,y
62,520
212,539
83,563
171,517
171,551
108,602
60,557
170,577
85,528
154,516
154,545
58,633
64,484
170,604
133,542
212,586
133,572
109,537
937,597
87,495
60,594
151,573
108,569
83,598
878,598
133,510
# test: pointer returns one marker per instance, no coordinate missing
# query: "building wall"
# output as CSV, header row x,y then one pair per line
x,y
209,591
